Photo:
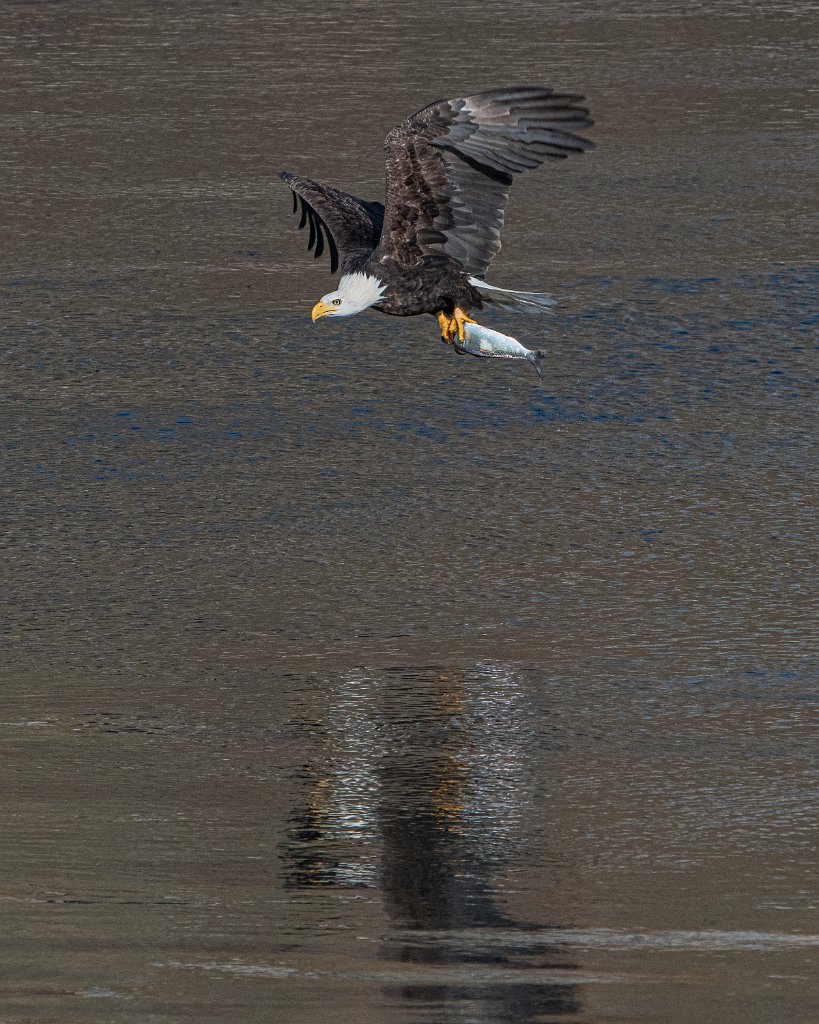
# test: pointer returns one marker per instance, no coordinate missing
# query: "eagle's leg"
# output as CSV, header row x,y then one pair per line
x,y
452,327
443,323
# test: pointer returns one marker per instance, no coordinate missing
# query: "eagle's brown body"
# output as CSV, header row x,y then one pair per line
x,y
428,287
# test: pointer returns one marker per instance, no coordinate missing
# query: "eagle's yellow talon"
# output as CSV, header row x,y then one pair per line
x,y
448,327
452,327
461,318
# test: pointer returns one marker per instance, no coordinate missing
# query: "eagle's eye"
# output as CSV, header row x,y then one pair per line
x,y
336,302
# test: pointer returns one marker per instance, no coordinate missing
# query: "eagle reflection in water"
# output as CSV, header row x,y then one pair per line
x,y
423,793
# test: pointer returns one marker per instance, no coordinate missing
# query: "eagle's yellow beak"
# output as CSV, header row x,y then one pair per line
x,y
321,309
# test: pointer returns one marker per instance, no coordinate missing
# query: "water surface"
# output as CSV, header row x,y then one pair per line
x,y
341,674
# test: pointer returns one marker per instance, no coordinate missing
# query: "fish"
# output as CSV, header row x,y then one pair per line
x,y
483,342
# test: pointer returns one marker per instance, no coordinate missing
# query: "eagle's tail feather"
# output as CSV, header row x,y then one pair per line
x,y
514,302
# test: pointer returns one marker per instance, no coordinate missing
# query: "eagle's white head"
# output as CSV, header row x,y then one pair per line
x,y
355,292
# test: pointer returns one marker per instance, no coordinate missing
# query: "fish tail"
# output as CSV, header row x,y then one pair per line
x,y
536,358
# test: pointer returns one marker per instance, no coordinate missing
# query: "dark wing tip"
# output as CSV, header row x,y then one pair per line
x,y
320,237
319,233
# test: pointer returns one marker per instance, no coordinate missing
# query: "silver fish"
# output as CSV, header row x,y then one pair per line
x,y
481,341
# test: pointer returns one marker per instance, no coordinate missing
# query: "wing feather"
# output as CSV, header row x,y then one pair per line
x,y
451,165
346,225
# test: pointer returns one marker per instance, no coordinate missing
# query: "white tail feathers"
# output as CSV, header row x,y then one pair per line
x,y
514,302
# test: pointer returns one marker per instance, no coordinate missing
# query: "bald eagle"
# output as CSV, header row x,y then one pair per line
x,y
448,169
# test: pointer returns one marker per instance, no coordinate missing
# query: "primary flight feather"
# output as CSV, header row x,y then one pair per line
x,y
448,173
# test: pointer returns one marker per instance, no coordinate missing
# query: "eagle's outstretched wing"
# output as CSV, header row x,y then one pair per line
x,y
348,225
450,166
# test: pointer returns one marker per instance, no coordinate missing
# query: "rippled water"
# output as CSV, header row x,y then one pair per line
x,y
346,677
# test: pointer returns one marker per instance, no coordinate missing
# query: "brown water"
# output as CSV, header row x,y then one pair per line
x,y
347,679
